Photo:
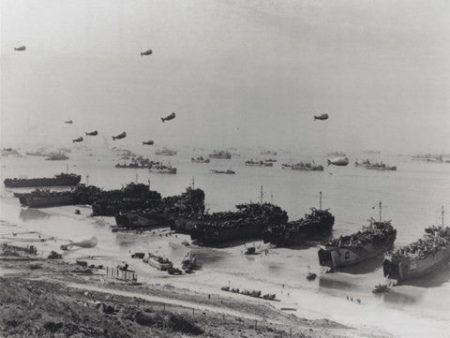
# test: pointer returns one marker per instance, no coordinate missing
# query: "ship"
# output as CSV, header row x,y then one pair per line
x,y
162,169
420,258
59,180
269,153
252,163
166,152
314,225
81,194
372,241
221,155
200,159
228,171
137,163
133,196
301,166
189,204
375,166
57,157
45,198
249,222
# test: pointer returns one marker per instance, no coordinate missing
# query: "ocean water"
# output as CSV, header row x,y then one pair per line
x,y
412,198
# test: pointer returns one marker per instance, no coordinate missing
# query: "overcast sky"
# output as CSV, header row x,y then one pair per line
x,y
235,72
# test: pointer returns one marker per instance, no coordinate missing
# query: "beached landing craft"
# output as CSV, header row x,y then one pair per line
x,y
168,117
68,122
315,225
20,49
339,161
148,143
77,140
420,258
120,136
373,241
249,222
322,117
92,133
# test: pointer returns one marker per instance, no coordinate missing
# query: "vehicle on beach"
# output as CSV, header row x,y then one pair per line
x,y
158,262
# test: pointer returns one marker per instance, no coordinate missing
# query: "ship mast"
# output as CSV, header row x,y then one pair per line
x,y
320,200
148,185
87,180
193,183
380,210
137,177
261,195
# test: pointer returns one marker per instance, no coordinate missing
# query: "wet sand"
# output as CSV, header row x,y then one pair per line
x,y
47,298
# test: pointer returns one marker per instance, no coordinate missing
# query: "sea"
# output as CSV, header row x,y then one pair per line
x,y
412,197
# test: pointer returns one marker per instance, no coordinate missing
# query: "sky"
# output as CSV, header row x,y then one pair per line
x,y
237,73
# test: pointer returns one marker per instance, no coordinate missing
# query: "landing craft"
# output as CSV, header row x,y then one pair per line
x,y
148,143
68,122
321,117
339,161
79,139
92,133
147,52
168,117
120,136
86,244
20,49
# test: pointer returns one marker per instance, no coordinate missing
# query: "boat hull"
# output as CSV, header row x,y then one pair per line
x,y
411,268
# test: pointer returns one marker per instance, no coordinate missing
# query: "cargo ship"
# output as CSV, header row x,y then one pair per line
x,y
221,155
420,258
249,222
315,225
162,169
301,166
59,180
375,166
137,163
227,172
252,163
372,241
200,159
165,152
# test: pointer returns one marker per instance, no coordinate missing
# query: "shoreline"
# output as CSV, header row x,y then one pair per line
x,y
44,283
